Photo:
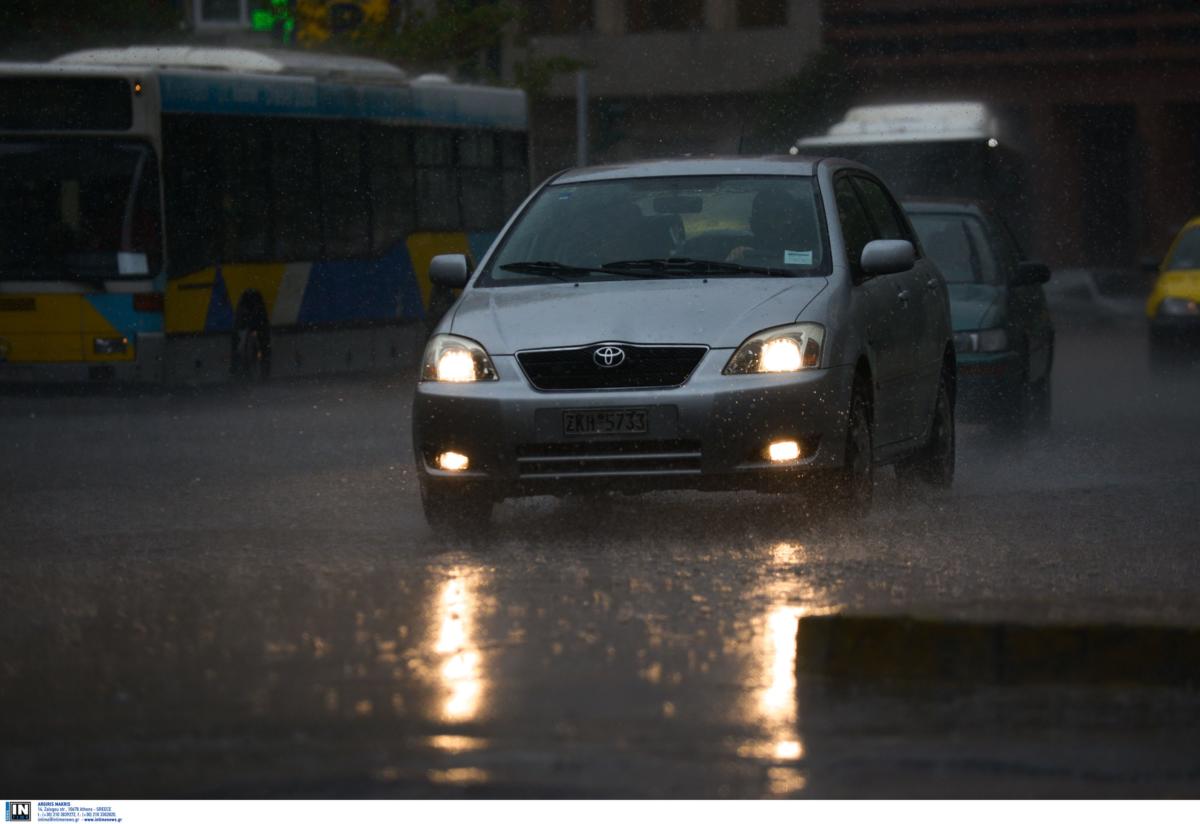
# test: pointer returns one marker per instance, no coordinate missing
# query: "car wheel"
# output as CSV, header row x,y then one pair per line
x,y
250,359
854,485
456,511
934,464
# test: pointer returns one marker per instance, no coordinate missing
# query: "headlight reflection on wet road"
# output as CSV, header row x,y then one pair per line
x,y
775,701
460,672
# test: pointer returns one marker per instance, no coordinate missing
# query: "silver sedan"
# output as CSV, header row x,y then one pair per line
x,y
732,323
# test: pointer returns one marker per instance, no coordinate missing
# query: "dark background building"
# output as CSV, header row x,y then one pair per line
x,y
1103,96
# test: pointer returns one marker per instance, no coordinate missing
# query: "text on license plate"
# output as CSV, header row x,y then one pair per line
x,y
604,422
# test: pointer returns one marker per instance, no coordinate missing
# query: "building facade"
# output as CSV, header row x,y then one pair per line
x,y
665,77
1104,97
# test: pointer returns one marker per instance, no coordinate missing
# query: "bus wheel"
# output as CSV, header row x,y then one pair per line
x,y
251,356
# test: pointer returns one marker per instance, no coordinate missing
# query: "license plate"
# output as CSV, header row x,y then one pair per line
x,y
604,422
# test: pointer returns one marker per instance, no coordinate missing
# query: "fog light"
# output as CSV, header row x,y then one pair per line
x,y
110,346
452,461
782,451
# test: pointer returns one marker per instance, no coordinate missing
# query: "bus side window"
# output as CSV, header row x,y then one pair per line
x,y
343,191
246,192
514,157
390,178
482,194
191,171
437,180
294,189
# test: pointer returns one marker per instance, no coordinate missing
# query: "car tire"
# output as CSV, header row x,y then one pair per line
x,y
934,464
250,357
854,484
456,511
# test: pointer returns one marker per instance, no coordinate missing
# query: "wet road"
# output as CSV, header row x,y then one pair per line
x,y
234,593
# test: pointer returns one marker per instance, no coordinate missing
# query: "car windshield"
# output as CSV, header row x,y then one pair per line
x,y
1186,254
958,245
75,208
669,226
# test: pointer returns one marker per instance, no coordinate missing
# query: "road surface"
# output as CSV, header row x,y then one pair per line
x,y
232,592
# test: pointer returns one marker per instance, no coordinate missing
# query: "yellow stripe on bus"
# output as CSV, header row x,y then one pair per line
x,y
187,301
41,328
94,325
263,278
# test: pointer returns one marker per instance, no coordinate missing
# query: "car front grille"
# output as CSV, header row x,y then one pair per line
x,y
642,367
601,458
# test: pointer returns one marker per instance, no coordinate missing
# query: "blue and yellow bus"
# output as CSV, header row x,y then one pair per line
x,y
187,214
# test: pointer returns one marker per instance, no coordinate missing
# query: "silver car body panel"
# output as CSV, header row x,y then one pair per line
x,y
709,432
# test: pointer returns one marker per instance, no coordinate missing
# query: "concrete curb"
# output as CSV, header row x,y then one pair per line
x,y
906,648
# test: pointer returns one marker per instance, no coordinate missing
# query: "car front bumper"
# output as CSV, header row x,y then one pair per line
x,y
988,385
710,433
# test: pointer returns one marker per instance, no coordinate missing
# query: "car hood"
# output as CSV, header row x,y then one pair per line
x,y
720,313
975,305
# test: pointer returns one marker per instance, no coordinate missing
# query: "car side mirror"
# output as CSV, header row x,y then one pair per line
x,y
1031,273
450,270
886,257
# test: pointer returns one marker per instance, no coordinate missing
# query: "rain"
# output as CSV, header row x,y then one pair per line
x,y
273,294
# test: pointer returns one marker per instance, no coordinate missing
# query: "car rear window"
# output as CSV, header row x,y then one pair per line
x,y
958,246
1186,254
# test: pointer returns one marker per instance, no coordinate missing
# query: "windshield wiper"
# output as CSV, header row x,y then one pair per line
x,y
565,272
674,266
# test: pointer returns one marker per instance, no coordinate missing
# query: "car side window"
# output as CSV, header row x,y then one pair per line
x,y
856,225
889,225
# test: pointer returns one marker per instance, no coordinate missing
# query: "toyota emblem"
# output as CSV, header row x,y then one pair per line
x,y
608,356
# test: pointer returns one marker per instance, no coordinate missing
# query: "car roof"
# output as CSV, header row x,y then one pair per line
x,y
784,165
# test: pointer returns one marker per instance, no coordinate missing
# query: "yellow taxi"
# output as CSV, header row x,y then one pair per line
x,y
1174,305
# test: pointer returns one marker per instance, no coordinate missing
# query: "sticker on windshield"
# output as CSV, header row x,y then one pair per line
x,y
132,263
791,258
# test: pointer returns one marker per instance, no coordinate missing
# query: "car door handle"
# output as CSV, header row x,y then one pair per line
x,y
931,284
903,295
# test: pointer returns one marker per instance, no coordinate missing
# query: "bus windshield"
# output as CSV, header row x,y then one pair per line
x,y
78,209
933,169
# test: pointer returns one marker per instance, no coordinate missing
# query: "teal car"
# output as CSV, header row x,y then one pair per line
x,y
1003,334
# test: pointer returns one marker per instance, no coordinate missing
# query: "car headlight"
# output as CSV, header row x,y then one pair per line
x,y
451,359
782,349
982,340
1178,307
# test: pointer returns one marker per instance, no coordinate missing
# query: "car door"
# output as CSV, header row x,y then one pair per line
x,y
920,343
1028,310
883,313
